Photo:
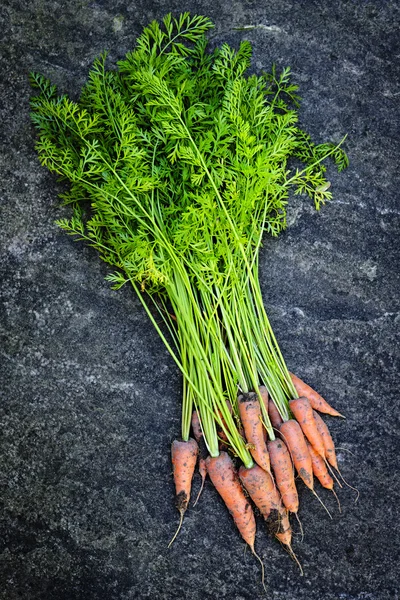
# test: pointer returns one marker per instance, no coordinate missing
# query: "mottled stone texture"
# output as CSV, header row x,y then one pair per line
x,y
90,399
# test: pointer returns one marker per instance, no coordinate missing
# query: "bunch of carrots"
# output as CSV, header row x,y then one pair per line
x,y
303,445
178,164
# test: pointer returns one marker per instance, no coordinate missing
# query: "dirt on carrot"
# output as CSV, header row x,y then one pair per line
x,y
263,492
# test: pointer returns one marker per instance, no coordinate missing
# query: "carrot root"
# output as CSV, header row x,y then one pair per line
x,y
337,499
321,502
178,530
285,537
350,486
301,527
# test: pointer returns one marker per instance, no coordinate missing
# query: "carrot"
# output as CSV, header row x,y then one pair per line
x,y
250,415
296,443
320,469
261,489
224,477
198,434
274,416
184,458
284,535
196,427
327,440
316,401
302,410
265,496
284,473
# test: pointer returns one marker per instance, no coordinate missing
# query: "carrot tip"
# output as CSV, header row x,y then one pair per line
x,y
337,499
200,490
301,527
262,567
332,472
350,486
179,528
325,507
296,560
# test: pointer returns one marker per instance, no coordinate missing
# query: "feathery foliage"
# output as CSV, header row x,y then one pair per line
x,y
178,162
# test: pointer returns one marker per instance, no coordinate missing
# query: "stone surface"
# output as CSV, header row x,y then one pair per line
x,y
90,399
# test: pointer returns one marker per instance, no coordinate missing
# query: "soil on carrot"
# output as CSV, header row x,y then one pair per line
x,y
303,474
181,501
273,522
247,397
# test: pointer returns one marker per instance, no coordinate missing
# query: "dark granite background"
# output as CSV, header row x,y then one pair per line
x,y
90,399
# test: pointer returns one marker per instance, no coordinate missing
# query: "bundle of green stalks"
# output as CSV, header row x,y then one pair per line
x,y
177,162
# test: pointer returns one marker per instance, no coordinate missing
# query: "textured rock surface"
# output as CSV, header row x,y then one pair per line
x,y
90,399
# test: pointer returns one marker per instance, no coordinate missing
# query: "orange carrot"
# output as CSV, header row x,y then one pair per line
x,y
296,443
316,401
184,458
284,473
302,410
224,477
250,415
265,496
284,535
320,469
327,440
261,489
274,416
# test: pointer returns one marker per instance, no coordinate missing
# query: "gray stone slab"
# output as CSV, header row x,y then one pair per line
x,y
90,399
